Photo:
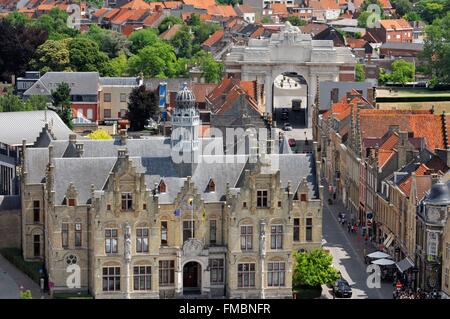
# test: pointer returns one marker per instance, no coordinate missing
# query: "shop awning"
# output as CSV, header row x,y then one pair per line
x,y
388,240
404,264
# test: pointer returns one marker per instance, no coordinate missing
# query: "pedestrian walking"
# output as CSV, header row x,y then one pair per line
x,y
348,227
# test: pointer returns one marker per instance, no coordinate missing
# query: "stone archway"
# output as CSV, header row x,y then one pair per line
x,y
290,50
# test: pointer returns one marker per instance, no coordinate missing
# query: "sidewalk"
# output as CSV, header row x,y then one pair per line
x,y
361,246
12,279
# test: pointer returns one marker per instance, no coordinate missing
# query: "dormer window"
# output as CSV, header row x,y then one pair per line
x,y
211,186
162,187
71,202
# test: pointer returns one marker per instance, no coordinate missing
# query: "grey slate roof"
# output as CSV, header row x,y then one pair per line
x,y
80,83
402,46
15,126
82,173
173,85
10,203
152,157
120,81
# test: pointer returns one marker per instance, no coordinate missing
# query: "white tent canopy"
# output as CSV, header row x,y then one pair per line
x,y
378,255
383,262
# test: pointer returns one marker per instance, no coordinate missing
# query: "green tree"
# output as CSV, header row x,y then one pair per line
x,y
169,21
429,10
18,43
412,16
141,38
313,269
296,21
212,69
99,135
402,72
18,18
194,20
62,102
142,106
37,102
435,56
85,56
182,42
119,65
53,55
55,22
362,19
265,19
12,103
360,74
109,42
402,7
158,60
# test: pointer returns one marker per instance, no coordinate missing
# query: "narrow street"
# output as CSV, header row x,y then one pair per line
x,y
11,279
348,250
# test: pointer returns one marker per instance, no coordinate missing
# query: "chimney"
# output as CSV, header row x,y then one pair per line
x,y
394,128
370,95
402,144
123,136
72,138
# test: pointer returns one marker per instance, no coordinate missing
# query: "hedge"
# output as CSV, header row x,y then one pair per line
x,y
31,269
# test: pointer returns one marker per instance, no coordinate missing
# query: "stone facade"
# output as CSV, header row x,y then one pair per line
x,y
290,51
140,226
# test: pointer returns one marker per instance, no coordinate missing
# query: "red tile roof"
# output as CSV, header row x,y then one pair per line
x,y
136,4
222,10
405,186
100,12
356,43
375,123
323,4
202,4
214,38
395,24
151,19
201,90
170,33
279,8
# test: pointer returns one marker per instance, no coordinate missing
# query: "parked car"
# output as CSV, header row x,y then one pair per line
x,y
287,127
342,289
292,142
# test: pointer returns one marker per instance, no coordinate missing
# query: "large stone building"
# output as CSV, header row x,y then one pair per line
x,y
138,224
290,50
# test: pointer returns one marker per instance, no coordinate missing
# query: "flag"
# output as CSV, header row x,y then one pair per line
x,y
204,215
177,212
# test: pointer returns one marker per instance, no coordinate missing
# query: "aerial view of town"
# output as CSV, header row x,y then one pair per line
x,y
225,149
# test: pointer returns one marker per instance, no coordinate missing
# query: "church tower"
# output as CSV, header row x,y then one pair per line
x,y
185,130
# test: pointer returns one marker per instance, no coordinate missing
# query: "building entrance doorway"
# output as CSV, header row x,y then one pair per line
x,y
192,278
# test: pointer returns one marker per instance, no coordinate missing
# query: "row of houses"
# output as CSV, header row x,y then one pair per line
x,y
389,168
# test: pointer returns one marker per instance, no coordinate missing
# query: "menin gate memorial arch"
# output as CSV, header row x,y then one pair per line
x,y
290,50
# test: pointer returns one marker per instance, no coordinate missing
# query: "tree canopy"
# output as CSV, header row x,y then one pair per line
x,y
99,135
53,55
142,105
18,42
314,268
360,74
141,38
436,52
62,102
402,72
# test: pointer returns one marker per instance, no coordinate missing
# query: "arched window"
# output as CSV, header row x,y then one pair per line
x,y
162,187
